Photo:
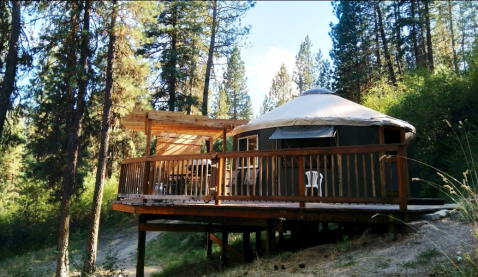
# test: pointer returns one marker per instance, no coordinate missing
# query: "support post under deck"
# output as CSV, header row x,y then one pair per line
x,y
246,241
258,240
225,241
209,244
270,237
141,249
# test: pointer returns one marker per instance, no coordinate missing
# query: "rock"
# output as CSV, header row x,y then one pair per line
x,y
430,217
302,265
443,213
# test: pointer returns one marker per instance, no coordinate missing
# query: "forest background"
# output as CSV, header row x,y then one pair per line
x,y
64,88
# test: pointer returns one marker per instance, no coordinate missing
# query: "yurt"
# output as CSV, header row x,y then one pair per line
x,y
321,118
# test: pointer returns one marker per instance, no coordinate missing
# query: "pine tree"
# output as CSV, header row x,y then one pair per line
x,y
303,74
226,33
235,86
92,241
281,91
385,44
246,112
175,44
72,150
267,105
8,82
323,71
352,52
222,107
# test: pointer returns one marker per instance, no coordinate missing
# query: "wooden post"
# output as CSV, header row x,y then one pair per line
x,y
121,180
225,236
270,237
141,249
147,166
211,141
209,244
224,163
219,178
259,239
300,162
246,243
402,179
147,131
224,140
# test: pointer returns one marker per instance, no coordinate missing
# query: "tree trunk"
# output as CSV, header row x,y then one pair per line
x,y
429,36
69,174
6,89
209,58
377,43
172,76
414,33
385,46
398,32
62,267
423,44
450,15
92,242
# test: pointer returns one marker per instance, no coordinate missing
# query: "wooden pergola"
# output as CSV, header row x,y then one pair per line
x,y
177,129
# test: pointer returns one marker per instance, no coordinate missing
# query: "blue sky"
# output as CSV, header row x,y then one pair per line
x,y
278,29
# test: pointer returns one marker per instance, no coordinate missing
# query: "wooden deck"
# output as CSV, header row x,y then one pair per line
x,y
241,211
268,191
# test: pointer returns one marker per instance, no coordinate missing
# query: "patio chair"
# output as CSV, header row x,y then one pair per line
x,y
314,184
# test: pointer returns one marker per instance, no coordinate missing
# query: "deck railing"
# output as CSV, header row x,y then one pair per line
x,y
349,174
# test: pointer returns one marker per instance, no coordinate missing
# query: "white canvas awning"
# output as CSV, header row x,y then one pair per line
x,y
319,108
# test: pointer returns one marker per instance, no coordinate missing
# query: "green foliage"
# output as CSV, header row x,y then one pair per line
x,y
184,249
323,71
217,145
235,87
176,45
267,105
31,221
426,100
303,74
281,91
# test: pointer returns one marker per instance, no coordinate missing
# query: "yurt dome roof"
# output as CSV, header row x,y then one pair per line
x,y
320,106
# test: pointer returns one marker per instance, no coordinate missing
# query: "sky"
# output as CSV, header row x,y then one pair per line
x,y
278,29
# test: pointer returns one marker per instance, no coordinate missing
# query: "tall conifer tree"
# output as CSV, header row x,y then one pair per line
x,y
281,90
235,86
303,74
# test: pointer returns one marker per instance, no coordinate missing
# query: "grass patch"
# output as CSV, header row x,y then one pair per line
x,y
181,254
383,263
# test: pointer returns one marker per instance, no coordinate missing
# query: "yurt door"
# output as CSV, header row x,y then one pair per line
x,y
388,166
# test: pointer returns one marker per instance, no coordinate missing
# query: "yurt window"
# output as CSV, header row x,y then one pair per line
x,y
392,136
248,143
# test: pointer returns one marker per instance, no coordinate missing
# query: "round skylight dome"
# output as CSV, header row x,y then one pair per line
x,y
317,91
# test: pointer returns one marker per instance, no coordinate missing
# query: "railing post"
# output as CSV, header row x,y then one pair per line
x,y
151,177
402,179
147,166
300,161
219,178
121,182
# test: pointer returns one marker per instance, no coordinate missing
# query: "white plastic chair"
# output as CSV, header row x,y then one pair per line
x,y
315,176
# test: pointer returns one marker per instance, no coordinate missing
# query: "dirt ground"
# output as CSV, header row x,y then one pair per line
x,y
412,254
123,245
